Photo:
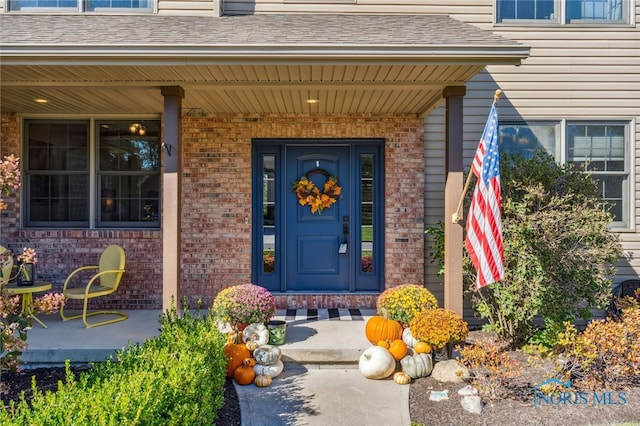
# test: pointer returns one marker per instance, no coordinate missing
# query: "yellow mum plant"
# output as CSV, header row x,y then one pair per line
x,y
438,327
405,301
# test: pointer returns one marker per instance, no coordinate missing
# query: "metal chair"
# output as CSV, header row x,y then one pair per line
x,y
105,281
6,265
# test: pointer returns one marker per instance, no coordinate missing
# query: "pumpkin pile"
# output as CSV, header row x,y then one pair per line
x,y
393,346
250,359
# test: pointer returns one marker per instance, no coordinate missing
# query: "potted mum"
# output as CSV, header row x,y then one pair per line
x,y
27,266
440,328
244,304
402,303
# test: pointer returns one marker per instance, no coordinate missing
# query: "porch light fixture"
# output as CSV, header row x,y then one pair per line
x,y
137,129
41,101
312,101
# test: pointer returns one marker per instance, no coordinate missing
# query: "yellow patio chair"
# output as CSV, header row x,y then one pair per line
x,y
6,265
106,281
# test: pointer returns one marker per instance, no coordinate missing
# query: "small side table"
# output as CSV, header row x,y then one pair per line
x,y
27,296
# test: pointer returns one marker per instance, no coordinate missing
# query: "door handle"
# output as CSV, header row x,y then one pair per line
x,y
345,236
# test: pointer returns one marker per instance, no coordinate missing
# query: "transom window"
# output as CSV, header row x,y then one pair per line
x,y
601,148
72,181
563,11
80,5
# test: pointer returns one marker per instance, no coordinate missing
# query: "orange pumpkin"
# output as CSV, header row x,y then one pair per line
x,y
381,328
398,349
244,375
422,348
384,344
236,353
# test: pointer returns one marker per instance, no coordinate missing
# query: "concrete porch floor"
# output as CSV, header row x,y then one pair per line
x,y
321,341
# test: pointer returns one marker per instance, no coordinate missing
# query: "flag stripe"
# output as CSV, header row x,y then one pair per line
x,y
484,221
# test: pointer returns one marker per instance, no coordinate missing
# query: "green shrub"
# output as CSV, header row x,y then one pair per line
x,y
559,253
175,378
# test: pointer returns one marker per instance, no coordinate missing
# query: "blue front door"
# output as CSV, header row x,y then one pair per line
x,y
317,254
337,250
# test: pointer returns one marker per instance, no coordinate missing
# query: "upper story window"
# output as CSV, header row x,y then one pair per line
x,y
73,181
80,5
563,11
600,148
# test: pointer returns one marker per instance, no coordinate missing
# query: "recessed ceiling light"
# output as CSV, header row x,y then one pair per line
x,y
313,101
41,101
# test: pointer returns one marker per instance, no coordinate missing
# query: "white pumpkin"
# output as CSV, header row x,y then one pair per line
x,y
267,354
272,370
376,362
256,332
408,339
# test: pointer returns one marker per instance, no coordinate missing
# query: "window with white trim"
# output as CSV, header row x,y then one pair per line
x,y
80,5
600,147
563,11
112,181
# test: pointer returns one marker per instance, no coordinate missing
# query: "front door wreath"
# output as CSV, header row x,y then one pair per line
x,y
309,194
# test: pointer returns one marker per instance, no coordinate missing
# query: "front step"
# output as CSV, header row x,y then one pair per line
x,y
324,336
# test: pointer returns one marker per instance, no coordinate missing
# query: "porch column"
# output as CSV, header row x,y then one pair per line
x,y
453,236
171,196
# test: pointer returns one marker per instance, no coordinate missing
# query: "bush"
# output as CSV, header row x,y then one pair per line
x,y
403,302
559,252
175,378
606,355
490,367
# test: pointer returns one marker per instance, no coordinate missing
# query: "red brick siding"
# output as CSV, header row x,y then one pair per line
x,y
216,210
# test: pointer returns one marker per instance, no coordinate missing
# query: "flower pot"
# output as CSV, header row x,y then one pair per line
x,y
26,274
277,332
240,326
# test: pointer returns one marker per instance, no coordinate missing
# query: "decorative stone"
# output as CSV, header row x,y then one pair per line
x,y
472,404
468,391
442,395
450,371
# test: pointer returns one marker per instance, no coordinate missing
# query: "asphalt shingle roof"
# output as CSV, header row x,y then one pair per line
x,y
249,30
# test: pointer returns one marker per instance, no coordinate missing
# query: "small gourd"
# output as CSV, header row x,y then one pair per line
x,y
262,380
273,370
422,348
401,378
418,365
244,375
384,344
267,354
256,332
252,345
398,349
408,338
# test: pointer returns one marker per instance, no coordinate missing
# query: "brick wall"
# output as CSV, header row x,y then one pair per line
x,y
216,210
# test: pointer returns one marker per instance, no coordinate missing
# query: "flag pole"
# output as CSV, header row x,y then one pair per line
x,y
455,217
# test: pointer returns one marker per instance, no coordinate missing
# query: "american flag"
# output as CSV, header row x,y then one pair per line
x,y
484,221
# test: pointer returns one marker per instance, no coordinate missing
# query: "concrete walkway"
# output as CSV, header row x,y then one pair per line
x,y
321,383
